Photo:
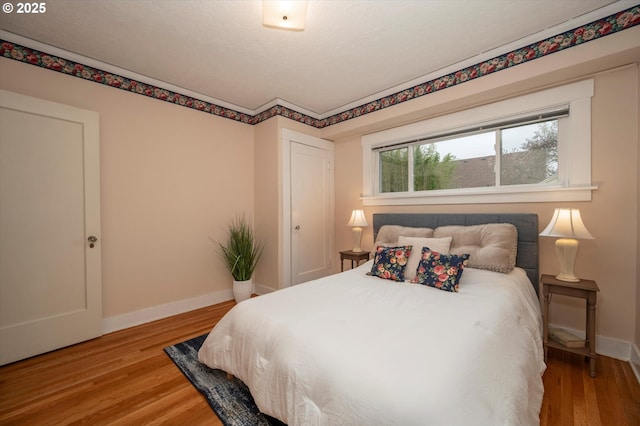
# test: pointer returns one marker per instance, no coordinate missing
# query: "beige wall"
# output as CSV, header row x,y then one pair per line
x,y
636,358
614,209
171,178
267,201
611,216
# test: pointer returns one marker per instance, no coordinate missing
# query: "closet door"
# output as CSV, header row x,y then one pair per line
x,y
50,267
311,190
308,207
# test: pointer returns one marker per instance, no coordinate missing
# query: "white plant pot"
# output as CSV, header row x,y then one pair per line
x,y
242,290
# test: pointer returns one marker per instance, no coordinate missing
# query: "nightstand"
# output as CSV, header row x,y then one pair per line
x,y
584,289
353,256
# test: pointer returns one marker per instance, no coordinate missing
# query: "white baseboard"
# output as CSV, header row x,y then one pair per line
x,y
131,319
635,361
120,322
607,346
614,348
261,289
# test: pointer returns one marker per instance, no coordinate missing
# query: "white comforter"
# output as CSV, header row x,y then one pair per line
x,y
355,349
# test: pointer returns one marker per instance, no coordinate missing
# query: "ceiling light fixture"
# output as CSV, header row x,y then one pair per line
x,y
285,15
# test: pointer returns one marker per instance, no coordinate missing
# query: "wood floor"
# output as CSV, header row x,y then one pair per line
x,y
572,397
125,378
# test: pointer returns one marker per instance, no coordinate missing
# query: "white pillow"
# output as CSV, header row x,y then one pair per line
x,y
440,245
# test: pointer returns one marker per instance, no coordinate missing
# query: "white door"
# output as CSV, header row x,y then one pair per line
x,y
311,210
50,268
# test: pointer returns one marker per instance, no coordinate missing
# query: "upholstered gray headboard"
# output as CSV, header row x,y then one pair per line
x,y
525,223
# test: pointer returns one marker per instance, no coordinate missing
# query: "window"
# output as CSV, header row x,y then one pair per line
x,y
532,148
523,154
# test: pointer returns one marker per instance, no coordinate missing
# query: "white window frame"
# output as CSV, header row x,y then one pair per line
x,y
574,150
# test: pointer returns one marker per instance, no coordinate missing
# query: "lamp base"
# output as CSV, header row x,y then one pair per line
x,y
567,250
567,279
357,238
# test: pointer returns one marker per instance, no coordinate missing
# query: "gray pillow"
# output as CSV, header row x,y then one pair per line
x,y
492,246
389,234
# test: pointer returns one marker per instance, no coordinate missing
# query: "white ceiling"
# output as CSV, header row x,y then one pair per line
x,y
349,52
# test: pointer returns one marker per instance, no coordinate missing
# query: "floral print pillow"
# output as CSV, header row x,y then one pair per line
x,y
389,262
442,271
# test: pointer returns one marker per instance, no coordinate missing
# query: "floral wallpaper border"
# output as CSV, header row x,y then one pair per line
x,y
611,24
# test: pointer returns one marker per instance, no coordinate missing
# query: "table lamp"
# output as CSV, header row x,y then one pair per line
x,y
357,221
567,224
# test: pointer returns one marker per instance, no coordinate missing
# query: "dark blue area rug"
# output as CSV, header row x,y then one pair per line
x,y
229,398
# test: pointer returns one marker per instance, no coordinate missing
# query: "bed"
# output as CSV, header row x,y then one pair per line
x,y
354,348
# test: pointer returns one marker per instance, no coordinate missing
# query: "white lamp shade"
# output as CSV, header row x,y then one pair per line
x,y
357,219
287,15
567,223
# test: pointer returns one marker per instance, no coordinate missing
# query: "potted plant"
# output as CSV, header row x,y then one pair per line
x,y
240,255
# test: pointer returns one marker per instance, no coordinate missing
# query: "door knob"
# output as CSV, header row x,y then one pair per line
x,y
297,228
92,240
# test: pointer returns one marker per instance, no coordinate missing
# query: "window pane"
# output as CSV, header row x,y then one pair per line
x,y
431,170
530,154
394,170
463,162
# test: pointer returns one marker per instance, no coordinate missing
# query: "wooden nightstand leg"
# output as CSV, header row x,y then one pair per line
x,y
591,333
